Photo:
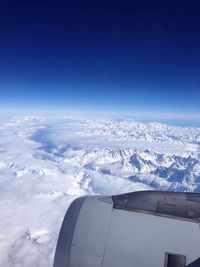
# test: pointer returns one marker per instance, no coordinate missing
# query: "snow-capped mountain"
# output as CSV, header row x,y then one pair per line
x,y
46,162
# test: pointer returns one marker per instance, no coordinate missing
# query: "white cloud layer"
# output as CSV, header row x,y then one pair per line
x,y
46,162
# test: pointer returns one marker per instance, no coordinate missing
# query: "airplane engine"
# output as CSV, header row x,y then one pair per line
x,y
139,229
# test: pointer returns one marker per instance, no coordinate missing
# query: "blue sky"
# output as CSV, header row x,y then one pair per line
x,y
103,56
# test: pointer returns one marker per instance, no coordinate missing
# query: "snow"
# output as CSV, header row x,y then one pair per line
x,y
46,162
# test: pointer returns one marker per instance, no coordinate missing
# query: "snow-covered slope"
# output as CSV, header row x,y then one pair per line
x,y
47,162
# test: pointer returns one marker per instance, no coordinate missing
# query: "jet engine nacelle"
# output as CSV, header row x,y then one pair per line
x,y
140,229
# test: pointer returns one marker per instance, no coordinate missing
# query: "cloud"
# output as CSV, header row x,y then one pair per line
x,y
46,162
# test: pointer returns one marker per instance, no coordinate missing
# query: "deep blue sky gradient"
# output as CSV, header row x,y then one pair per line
x,y
128,56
